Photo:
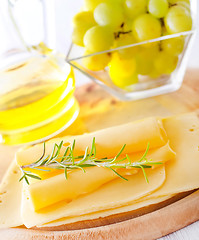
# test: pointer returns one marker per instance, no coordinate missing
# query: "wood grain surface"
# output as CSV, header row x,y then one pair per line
x,y
100,110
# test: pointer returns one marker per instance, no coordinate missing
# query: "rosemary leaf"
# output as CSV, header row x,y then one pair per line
x,y
66,173
33,176
117,174
26,179
69,162
145,176
145,154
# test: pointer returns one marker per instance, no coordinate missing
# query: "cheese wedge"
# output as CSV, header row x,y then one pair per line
x,y
79,183
10,198
136,136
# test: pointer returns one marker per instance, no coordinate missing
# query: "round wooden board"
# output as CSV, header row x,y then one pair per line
x,y
99,110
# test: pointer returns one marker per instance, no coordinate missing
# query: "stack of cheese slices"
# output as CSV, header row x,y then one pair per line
x,y
56,201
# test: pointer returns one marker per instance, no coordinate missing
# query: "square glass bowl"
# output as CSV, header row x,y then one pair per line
x,y
149,83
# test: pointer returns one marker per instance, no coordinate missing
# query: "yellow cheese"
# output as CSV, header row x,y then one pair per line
x,y
10,198
143,202
136,136
79,183
111,195
182,174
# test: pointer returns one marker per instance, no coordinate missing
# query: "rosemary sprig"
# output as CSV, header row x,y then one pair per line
x,y
69,162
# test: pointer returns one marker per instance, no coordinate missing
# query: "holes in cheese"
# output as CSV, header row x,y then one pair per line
x,y
79,183
136,136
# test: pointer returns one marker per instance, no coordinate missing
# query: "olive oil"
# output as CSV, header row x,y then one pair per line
x,y
36,99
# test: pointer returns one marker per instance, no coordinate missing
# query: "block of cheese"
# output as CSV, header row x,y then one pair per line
x,y
136,136
111,195
79,183
10,198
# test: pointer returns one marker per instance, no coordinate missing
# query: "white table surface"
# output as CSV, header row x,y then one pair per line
x,y
64,10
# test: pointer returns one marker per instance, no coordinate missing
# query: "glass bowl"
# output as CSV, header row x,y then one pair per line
x,y
146,85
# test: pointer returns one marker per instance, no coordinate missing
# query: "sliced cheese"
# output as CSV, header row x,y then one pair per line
x,y
10,198
136,136
79,183
182,174
111,195
143,202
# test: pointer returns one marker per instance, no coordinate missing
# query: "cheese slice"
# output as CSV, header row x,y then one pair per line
x,y
182,174
10,198
79,183
136,136
111,195
141,203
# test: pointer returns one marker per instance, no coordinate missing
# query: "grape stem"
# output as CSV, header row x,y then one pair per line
x,y
117,34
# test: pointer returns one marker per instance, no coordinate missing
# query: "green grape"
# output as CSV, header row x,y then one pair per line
x,y
96,62
124,82
82,22
145,59
109,14
173,46
122,68
98,38
78,36
146,27
183,4
92,4
134,8
120,2
84,18
124,40
165,63
178,20
122,72
158,8
174,1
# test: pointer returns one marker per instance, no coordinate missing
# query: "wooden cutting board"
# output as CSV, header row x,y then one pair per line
x,y
100,110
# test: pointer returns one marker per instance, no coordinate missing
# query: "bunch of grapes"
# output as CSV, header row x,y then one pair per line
x,y
109,24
